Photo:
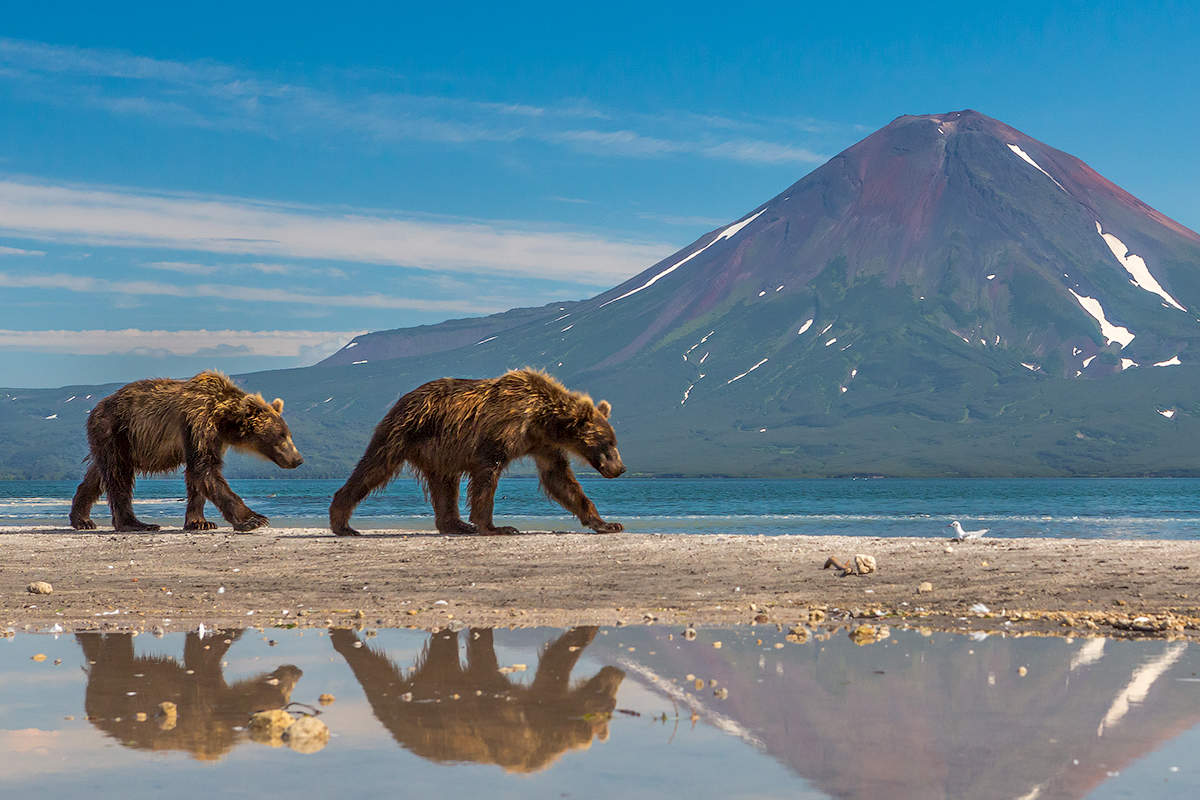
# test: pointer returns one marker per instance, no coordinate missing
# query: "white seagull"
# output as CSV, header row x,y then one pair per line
x,y
961,536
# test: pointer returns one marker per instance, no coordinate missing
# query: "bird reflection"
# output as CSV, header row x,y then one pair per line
x,y
447,711
122,685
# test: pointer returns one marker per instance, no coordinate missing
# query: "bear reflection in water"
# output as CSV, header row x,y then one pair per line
x,y
121,685
493,720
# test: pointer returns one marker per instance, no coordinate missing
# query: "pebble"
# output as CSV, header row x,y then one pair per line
x,y
717,645
39,657
307,735
689,633
267,727
925,586
1023,671
864,564
40,587
326,699
167,714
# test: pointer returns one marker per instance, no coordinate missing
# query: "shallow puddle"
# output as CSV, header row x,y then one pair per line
x,y
615,712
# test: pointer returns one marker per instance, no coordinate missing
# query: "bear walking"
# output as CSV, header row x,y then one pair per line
x,y
453,426
158,424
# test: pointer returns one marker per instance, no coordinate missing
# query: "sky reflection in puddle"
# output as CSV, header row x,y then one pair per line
x,y
630,712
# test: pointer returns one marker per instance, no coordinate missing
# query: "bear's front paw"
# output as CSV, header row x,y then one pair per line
x,y
250,522
83,524
607,527
346,531
200,525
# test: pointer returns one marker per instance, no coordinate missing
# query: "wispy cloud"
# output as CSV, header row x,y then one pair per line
x,y
16,251
297,344
207,94
688,221
126,218
251,294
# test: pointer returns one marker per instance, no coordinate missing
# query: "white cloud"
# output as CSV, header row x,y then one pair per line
x,y
178,343
252,294
16,251
126,218
185,267
207,94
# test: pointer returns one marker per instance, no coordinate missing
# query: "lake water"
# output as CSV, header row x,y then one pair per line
x,y
586,713
1164,508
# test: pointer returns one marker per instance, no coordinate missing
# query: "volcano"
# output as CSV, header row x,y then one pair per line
x,y
949,296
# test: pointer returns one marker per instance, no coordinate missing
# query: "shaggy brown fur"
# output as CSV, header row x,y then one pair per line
x,y
156,425
453,426
493,720
210,712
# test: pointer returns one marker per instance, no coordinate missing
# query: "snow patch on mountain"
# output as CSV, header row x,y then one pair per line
x,y
1173,361
1136,267
1021,154
728,233
1111,333
747,372
804,327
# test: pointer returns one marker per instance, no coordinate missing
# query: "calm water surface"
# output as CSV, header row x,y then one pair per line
x,y
1165,508
587,713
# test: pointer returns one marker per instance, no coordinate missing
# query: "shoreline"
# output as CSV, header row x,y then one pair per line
x,y
305,577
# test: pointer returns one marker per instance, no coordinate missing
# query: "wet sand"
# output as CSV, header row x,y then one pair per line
x,y
307,577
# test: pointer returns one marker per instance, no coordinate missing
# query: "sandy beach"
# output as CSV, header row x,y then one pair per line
x,y
393,578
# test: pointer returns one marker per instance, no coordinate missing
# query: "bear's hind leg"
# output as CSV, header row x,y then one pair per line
x,y
373,470
85,497
114,461
193,518
443,491
481,491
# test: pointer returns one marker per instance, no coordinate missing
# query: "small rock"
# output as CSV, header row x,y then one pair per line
x,y
167,715
864,565
406,697
925,586
717,645
326,699
307,735
267,727
699,684
979,608
815,616
689,633
721,693
39,587
1022,671
39,657
140,716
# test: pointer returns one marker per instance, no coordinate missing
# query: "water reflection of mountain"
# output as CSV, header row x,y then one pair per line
x,y
943,718
447,711
121,685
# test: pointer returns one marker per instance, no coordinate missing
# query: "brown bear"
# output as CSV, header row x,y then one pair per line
x,y
210,712
158,424
521,726
453,426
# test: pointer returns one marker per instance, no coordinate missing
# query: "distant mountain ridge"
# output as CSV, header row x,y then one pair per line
x,y
948,296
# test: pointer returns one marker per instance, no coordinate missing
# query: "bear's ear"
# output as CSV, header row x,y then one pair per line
x,y
604,407
277,405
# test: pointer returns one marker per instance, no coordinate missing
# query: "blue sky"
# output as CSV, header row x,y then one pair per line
x,y
246,186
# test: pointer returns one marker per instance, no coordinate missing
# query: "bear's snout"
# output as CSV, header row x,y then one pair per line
x,y
287,456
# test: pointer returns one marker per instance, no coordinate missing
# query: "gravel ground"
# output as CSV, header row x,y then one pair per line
x,y
307,577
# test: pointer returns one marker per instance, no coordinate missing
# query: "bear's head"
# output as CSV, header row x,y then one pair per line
x,y
587,432
259,429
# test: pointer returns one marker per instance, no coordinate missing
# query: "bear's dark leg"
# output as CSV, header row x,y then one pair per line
x,y
558,481
553,677
113,456
377,466
206,469
193,518
85,497
443,491
481,491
